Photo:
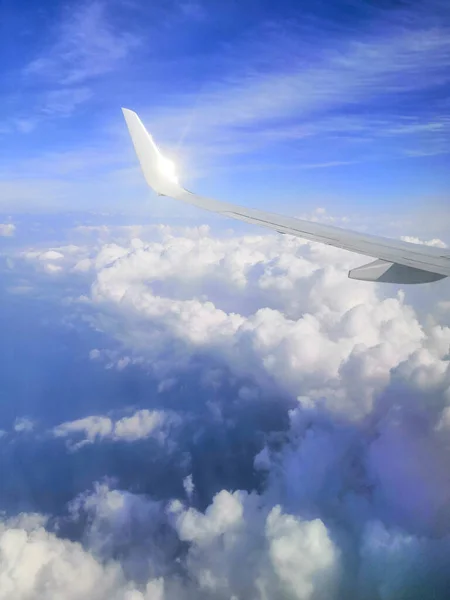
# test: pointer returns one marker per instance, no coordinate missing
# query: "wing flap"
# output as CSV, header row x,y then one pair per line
x,y
388,272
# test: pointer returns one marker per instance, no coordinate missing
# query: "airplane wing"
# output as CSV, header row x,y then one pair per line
x,y
396,261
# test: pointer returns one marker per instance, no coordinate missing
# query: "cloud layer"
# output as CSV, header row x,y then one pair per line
x,y
301,419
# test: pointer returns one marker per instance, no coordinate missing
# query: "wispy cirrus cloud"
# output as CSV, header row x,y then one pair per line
x,y
343,74
62,102
290,97
358,85
86,45
81,46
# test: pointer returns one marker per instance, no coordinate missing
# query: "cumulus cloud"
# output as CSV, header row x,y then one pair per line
x,y
55,261
141,425
274,309
237,548
240,547
37,563
349,495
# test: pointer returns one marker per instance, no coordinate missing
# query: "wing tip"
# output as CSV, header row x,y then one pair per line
x,y
129,114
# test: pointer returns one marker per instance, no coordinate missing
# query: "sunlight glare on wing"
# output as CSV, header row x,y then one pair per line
x,y
168,169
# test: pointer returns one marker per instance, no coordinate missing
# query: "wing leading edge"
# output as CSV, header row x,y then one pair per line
x,y
397,261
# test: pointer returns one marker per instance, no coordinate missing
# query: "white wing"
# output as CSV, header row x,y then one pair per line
x,y
397,261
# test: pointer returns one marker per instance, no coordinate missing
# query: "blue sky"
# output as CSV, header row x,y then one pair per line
x,y
287,104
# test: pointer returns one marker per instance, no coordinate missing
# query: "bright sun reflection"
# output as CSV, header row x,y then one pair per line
x,y
167,168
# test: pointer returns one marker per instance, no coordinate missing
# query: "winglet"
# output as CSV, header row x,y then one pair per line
x,y
158,170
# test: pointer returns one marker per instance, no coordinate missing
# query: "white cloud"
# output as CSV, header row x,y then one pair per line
x,y
273,308
7,229
280,83
276,309
353,490
239,547
142,424
36,564
189,486
56,260
51,255
80,44
434,242
341,74
91,427
23,425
